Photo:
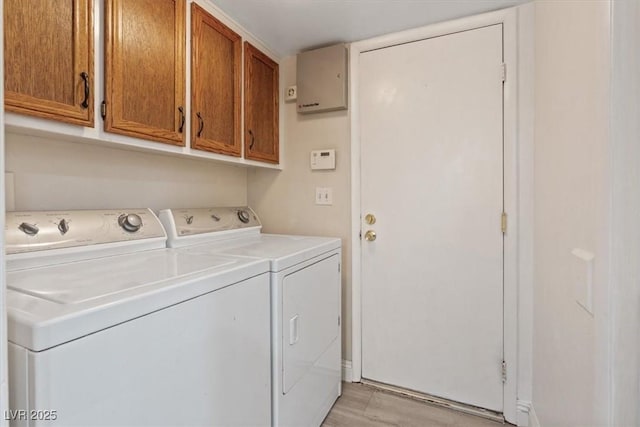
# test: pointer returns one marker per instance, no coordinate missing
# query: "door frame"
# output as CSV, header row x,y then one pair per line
x,y
508,19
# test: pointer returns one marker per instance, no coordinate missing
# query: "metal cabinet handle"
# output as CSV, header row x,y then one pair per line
x,y
201,124
253,140
85,103
181,110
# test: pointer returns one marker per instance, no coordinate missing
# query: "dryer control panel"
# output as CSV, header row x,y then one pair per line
x,y
188,222
43,230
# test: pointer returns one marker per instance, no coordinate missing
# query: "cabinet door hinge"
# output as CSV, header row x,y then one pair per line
x,y
504,371
338,320
338,267
103,110
504,72
503,222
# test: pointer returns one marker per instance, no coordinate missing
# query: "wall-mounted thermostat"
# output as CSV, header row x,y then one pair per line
x,y
323,159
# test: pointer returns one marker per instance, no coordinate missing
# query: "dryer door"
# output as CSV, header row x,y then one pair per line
x,y
310,312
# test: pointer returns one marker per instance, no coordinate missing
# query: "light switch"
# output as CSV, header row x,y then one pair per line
x,y
324,196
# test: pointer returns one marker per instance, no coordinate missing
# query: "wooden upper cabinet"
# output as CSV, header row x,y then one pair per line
x,y
216,70
48,59
145,69
260,106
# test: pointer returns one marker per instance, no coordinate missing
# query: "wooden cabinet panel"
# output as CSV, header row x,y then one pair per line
x,y
48,59
216,67
260,106
144,69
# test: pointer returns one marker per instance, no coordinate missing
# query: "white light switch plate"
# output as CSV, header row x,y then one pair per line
x,y
324,196
582,277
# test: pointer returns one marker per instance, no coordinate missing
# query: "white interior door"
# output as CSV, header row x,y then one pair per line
x,y
432,175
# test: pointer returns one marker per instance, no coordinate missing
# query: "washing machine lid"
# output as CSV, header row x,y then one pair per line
x,y
50,305
283,251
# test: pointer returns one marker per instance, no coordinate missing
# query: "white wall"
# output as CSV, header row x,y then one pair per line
x,y
284,200
625,251
52,174
571,209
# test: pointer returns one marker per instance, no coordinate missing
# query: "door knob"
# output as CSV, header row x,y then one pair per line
x,y
370,236
370,219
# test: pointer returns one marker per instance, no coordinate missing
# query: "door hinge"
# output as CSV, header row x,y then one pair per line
x,y
504,72
338,320
103,110
504,371
503,222
338,267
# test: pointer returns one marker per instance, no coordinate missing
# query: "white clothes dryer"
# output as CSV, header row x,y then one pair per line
x,y
305,302
108,327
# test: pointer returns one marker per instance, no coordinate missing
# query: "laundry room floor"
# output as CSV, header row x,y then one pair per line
x,y
362,405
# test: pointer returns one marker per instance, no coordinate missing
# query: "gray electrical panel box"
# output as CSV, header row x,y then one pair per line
x,y
322,79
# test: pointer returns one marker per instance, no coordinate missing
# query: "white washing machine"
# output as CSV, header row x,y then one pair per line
x,y
108,327
305,303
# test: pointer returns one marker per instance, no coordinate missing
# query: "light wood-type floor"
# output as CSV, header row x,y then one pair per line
x,y
362,405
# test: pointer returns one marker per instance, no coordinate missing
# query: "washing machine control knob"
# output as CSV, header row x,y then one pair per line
x,y
30,229
63,226
243,216
130,222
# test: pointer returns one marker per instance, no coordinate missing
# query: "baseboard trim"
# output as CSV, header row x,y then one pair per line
x,y
533,418
523,408
347,371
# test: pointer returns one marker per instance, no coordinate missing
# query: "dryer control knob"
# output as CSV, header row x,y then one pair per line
x,y
243,216
130,222
30,229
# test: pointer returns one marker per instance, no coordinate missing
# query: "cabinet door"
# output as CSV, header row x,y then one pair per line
x,y
216,61
144,69
48,59
260,106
